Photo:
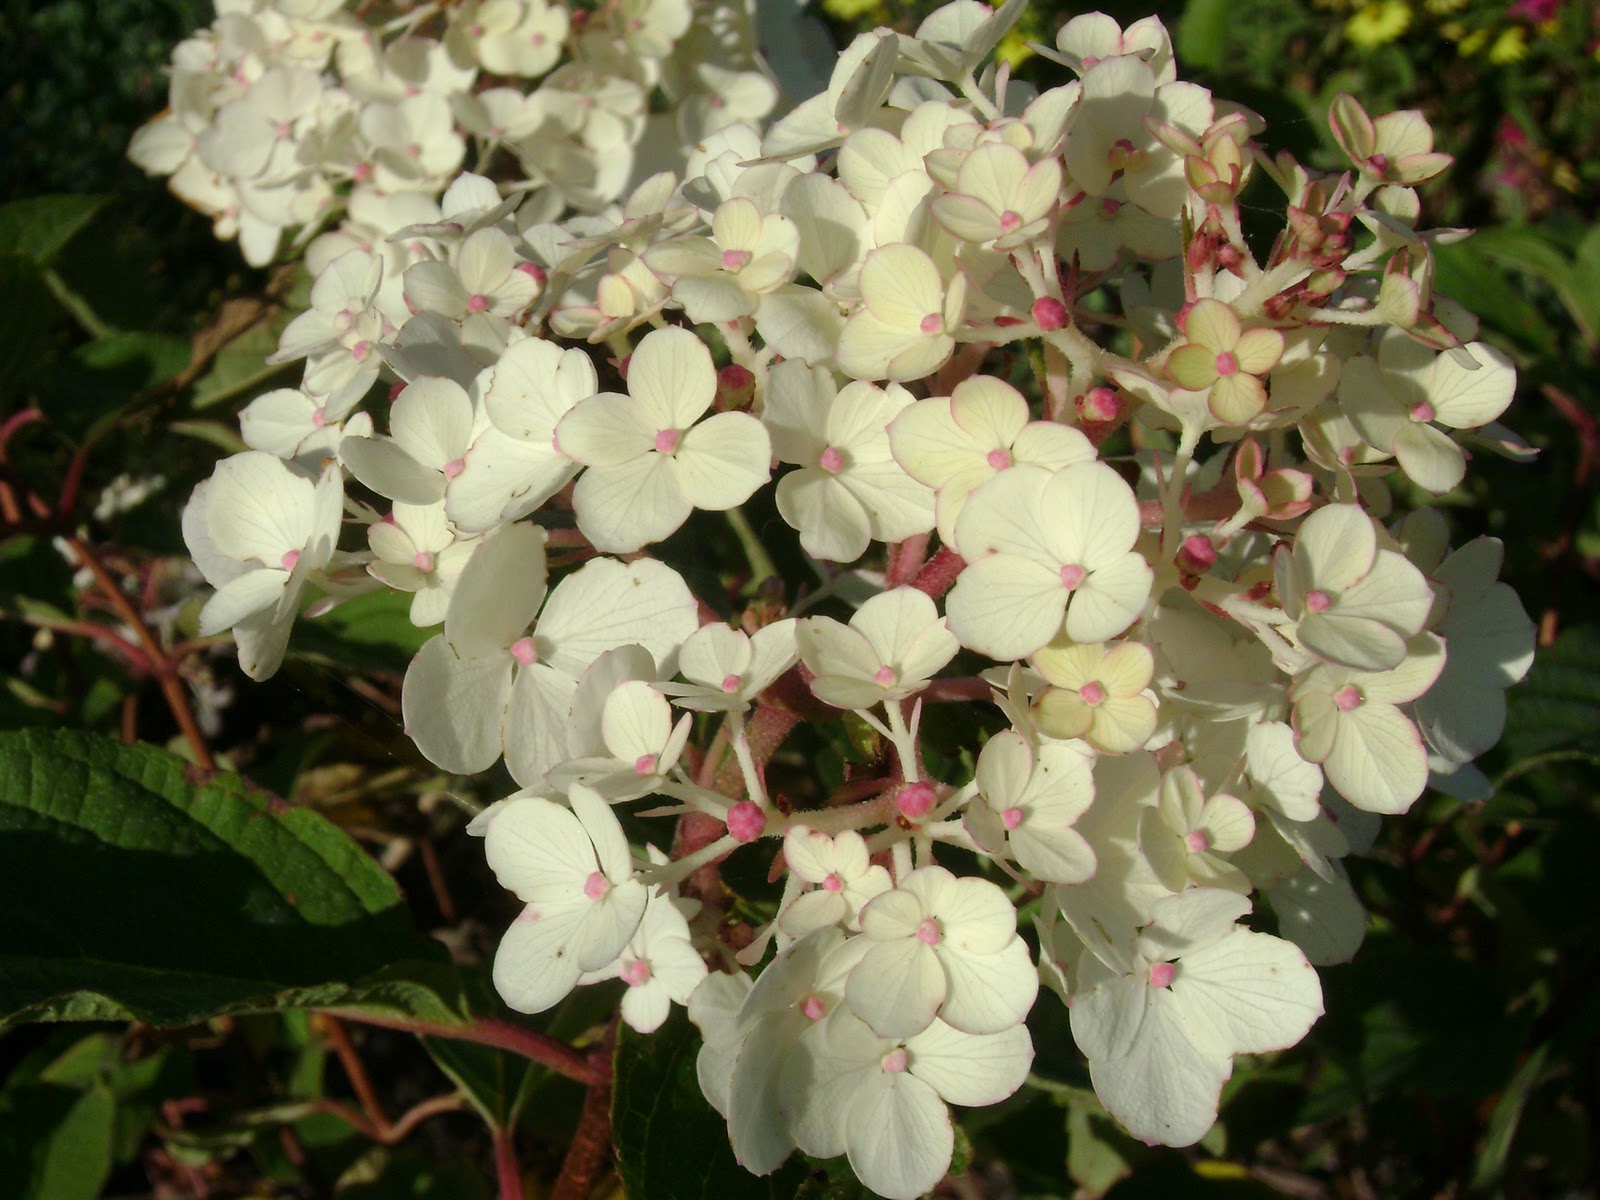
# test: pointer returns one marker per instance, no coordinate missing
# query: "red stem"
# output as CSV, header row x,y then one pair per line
x,y
938,574
489,1031
506,1167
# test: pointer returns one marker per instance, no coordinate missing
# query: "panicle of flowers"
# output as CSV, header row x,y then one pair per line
x,y
1199,649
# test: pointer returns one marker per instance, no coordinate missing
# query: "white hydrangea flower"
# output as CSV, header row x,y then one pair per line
x,y
849,490
906,326
726,669
651,460
840,869
572,869
659,964
1045,547
893,645
1028,799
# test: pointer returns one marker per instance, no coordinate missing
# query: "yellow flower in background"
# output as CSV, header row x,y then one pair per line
x,y
1013,48
849,10
1378,24
1473,42
1440,8
1510,46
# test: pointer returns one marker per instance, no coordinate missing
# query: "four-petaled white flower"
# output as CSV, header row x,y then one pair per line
x,y
893,645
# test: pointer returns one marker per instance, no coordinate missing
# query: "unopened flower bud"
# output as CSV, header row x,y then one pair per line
x,y
1197,555
915,801
1050,314
736,386
746,821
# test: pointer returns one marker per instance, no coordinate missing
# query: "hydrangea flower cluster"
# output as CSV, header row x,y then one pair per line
x,y
1199,649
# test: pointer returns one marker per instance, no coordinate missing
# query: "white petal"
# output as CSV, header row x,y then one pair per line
x,y
453,707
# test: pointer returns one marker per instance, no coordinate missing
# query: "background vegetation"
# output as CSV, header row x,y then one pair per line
x,y
1458,1056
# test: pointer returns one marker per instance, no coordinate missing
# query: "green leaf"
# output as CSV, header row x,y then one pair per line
x,y
37,228
1492,1160
30,311
55,1141
1202,33
366,631
173,897
490,1079
671,1144
1094,1160
241,366
1491,292
1557,707
1540,255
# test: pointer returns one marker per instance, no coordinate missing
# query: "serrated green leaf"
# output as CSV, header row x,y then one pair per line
x,y
671,1144
1557,707
134,887
38,227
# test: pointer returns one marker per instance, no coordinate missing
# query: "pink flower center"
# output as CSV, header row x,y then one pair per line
x,y
596,885
746,821
833,883
282,130
1227,363
360,351
1009,221
814,1008
422,560
453,468
667,440
1092,694
477,303
915,801
928,932
362,172
1197,842
319,418
645,764
932,323
731,684
1072,576
1347,698
1110,207
1012,817
998,459
533,271
290,559
734,260
635,973
1161,974
413,150
883,676
524,651
1379,162
1422,411
1318,601
831,461
895,1061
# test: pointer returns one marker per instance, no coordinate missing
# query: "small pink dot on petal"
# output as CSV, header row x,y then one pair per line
x,y
1318,601
667,440
896,1061
814,1008
596,885
1197,842
1009,221
833,883
360,351
1161,974
831,461
477,303
422,560
928,932
932,323
319,418
1347,698
1072,576
1227,363
735,260
290,560
645,764
998,459
533,271
453,468
1092,694
884,676
635,973
1422,411
1110,207
524,651
1012,817
731,684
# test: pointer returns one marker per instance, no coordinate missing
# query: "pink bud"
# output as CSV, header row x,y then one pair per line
x,y
1101,404
1197,842
746,821
596,885
1009,221
1197,555
524,651
422,560
1422,411
814,1008
831,461
731,684
1227,363
1049,314
290,560
735,260
398,386
635,973
534,271
453,468
1092,694
735,386
932,324
645,764
833,883
915,801
1318,601
1161,974
1072,576
667,440
1012,817
928,932
895,1061
1347,698
883,676
477,303
999,460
